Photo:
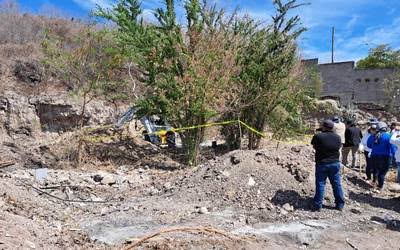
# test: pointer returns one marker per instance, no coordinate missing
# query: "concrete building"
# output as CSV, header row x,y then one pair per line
x,y
343,82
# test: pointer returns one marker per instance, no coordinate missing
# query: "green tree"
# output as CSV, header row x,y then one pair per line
x,y
187,69
269,94
383,56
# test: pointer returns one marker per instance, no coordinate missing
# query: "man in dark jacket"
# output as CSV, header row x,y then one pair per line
x,y
353,136
327,145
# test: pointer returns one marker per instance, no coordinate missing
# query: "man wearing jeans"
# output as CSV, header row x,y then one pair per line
x,y
382,152
353,137
327,145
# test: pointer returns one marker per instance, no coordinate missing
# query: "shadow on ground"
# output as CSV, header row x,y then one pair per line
x,y
385,203
393,225
292,197
355,180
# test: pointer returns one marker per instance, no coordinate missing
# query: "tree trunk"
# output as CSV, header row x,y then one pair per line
x,y
81,134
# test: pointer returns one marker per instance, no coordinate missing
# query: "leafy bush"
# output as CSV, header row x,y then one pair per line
x,y
215,66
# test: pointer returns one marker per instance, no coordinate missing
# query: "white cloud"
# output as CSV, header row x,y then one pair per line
x,y
356,47
90,4
350,24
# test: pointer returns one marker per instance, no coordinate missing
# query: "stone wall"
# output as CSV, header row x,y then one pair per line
x,y
342,81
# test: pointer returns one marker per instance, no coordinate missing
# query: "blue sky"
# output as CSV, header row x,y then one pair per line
x,y
360,24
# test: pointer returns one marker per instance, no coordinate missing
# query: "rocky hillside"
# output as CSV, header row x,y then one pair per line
x,y
37,106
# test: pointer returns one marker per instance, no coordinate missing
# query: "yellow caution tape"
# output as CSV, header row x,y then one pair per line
x,y
255,131
204,125
252,129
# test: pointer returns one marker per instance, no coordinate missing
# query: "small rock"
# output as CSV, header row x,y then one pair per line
x,y
235,160
154,191
394,187
251,182
262,206
226,173
108,180
283,212
30,244
168,185
288,207
97,178
203,210
296,149
356,211
104,211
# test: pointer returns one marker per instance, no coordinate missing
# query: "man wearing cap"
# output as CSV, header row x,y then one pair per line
x,y
367,151
382,150
327,145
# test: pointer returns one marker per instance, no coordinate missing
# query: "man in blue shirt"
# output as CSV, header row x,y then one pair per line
x,y
381,153
327,145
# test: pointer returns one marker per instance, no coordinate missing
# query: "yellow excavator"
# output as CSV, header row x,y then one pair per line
x,y
156,131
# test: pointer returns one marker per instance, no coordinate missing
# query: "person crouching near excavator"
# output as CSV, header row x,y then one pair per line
x,y
327,145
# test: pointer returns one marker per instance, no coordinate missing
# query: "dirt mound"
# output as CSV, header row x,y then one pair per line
x,y
253,179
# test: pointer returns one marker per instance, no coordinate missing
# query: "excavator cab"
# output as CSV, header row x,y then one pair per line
x,y
156,130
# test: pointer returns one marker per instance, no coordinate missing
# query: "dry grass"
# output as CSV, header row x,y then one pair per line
x,y
22,34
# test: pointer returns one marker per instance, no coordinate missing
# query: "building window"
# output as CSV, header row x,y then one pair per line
x,y
367,80
376,79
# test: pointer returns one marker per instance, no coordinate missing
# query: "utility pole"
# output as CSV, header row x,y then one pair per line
x,y
333,42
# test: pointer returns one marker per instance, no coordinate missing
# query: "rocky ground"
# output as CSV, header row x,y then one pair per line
x,y
255,199
124,188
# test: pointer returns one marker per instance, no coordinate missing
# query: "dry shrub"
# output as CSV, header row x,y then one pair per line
x,y
65,148
70,152
11,51
22,34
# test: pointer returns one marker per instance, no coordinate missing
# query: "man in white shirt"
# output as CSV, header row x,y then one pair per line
x,y
339,129
369,168
395,140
